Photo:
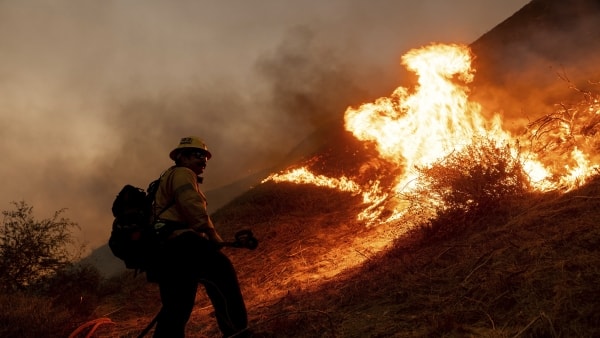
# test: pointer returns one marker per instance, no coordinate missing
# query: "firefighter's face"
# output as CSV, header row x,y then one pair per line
x,y
195,160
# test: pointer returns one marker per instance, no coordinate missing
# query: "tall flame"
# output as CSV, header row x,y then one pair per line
x,y
417,128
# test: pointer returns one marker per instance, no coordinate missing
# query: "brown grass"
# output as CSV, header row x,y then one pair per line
x,y
534,276
26,315
319,273
518,265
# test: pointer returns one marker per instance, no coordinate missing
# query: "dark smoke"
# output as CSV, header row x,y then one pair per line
x,y
96,93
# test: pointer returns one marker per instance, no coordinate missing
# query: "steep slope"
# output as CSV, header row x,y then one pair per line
x,y
534,275
319,273
533,59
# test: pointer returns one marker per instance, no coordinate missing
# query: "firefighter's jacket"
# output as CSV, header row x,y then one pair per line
x,y
181,201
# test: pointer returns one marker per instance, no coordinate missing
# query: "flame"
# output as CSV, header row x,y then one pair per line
x,y
417,128
304,176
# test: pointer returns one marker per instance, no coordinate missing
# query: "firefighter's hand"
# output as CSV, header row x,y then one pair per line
x,y
212,236
203,235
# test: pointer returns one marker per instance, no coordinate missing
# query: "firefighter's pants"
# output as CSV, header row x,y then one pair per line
x,y
186,261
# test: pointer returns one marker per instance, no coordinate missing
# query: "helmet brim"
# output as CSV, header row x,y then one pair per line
x,y
173,154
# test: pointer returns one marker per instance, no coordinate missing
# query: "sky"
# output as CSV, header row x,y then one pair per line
x,y
95,93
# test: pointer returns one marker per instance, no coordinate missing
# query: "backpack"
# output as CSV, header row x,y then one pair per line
x,y
133,238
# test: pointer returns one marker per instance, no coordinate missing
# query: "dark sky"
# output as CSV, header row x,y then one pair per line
x,y
95,93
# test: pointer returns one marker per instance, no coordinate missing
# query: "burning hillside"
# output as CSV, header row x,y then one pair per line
x,y
413,129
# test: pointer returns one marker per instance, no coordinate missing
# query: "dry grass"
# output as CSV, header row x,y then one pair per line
x,y
526,266
534,276
26,315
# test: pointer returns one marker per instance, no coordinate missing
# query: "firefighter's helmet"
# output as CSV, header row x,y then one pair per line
x,y
190,142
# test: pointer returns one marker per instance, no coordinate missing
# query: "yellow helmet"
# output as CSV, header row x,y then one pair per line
x,y
190,142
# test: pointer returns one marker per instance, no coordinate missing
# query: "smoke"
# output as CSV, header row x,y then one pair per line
x,y
94,94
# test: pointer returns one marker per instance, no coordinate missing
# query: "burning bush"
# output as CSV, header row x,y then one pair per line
x,y
567,140
472,186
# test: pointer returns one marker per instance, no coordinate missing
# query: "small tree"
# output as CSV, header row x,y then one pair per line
x,y
30,249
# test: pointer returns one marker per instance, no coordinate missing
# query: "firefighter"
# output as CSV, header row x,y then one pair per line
x,y
191,254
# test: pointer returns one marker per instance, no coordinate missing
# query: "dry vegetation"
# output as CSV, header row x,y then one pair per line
x,y
520,265
528,270
497,261
494,260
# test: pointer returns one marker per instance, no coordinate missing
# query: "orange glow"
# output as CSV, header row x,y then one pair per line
x,y
415,128
304,176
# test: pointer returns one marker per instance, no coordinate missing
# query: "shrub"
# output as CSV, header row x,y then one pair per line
x,y
468,186
30,249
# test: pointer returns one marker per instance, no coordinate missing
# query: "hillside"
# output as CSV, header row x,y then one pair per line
x,y
320,273
522,265
533,60
533,273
